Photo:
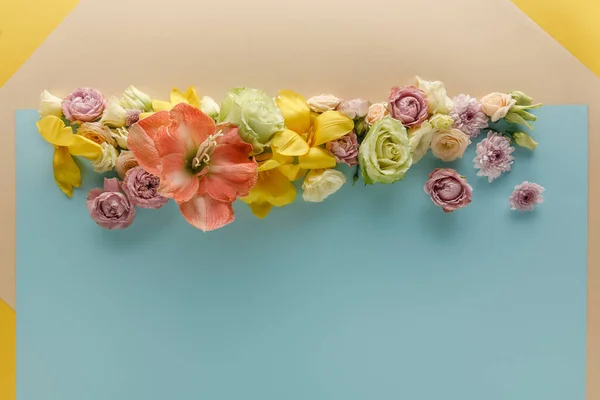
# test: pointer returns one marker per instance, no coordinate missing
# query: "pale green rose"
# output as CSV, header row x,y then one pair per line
x,y
209,107
135,99
524,140
255,113
441,122
385,154
420,140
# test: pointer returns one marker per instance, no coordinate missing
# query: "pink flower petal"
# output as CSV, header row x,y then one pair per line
x,y
191,123
141,140
206,213
175,181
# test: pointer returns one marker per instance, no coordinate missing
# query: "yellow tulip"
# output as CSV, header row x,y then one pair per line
x,y
189,97
66,144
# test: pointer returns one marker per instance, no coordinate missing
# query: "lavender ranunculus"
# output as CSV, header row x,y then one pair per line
x,y
468,115
355,108
494,156
448,189
345,149
142,189
409,105
110,207
526,196
84,105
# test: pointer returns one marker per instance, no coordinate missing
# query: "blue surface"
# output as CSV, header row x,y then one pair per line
x,y
373,294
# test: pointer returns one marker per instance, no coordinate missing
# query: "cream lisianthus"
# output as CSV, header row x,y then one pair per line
x,y
420,140
50,105
120,135
321,183
107,161
135,99
438,99
210,107
114,115
449,145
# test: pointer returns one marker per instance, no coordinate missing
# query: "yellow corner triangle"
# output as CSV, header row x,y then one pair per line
x,y
574,24
8,352
24,25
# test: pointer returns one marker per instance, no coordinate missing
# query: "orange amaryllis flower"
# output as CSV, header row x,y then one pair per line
x,y
203,167
307,132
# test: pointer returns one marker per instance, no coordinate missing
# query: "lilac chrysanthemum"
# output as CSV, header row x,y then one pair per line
x,y
526,196
494,156
468,116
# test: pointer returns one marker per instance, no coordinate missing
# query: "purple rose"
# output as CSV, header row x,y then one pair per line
x,y
345,149
84,105
526,196
355,108
110,207
448,189
141,187
409,105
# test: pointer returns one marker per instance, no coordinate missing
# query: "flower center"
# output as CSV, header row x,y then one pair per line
x,y
204,152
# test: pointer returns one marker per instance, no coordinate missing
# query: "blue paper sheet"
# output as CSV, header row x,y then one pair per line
x,y
373,294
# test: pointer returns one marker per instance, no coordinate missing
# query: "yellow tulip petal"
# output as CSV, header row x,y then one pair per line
x,y
292,172
272,187
331,125
317,158
295,111
289,143
260,210
54,131
192,97
159,105
66,173
84,147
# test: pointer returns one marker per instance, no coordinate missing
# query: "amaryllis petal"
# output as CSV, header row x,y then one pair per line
x,y
206,213
175,181
141,140
191,123
227,182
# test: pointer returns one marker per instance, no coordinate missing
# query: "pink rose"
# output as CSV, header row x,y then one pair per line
x,y
355,108
345,149
142,189
84,105
409,105
110,207
448,189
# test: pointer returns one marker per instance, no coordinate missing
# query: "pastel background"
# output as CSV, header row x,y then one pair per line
x,y
315,46
375,293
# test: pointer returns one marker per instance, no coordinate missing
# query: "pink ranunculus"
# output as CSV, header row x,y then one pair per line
x,y
203,167
142,189
84,105
345,149
409,105
110,207
448,189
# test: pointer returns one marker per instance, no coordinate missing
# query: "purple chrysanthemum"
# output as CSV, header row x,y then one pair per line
x,y
468,116
494,156
526,196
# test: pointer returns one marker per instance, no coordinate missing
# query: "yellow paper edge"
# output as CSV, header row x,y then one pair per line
x,y
8,353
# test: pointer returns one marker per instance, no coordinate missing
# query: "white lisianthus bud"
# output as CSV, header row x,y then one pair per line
x,y
50,105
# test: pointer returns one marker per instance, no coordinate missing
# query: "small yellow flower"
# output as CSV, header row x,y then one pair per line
x,y
190,96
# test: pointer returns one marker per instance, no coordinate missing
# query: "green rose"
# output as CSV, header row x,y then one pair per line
x,y
255,113
385,154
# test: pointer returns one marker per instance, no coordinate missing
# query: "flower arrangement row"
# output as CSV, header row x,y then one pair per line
x,y
205,155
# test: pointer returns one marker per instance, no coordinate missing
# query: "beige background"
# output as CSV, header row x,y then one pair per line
x,y
347,47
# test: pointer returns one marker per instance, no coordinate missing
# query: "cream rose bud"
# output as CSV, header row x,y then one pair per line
x,y
497,105
209,107
322,103
449,145
107,161
438,99
50,105
321,183
114,114
376,112
125,162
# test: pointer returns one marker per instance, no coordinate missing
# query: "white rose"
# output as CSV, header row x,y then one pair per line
x,y
107,161
438,99
321,183
449,145
376,112
50,105
322,103
121,135
497,105
420,140
210,107
114,114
